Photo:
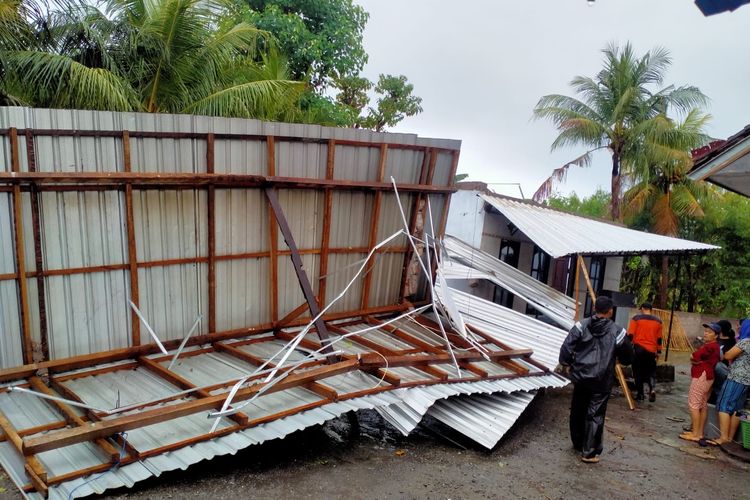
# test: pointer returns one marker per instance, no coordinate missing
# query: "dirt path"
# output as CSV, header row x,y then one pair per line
x,y
643,458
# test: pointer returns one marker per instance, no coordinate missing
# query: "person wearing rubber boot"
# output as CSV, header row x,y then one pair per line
x,y
645,332
588,354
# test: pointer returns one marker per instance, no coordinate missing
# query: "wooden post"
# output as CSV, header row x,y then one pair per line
x,y
135,322
20,250
576,294
273,236
327,208
211,202
618,368
373,239
424,175
38,259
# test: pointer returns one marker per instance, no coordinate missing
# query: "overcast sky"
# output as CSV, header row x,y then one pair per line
x,y
481,66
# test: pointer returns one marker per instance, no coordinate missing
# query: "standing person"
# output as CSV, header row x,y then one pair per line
x,y
702,374
726,341
589,352
645,332
734,392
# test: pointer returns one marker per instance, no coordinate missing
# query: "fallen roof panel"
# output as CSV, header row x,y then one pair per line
x,y
560,234
476,264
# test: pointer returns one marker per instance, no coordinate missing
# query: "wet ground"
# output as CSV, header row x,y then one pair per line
x,y
643,458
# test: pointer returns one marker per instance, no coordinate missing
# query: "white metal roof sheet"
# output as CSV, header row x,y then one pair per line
x,y
483,418
559,233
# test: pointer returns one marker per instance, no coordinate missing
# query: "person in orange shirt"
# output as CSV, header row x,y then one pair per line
x,y
645,332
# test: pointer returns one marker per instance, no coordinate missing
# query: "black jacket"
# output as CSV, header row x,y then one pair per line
x,y
590,350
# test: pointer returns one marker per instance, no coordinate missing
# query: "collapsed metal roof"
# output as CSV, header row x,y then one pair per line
x,y
161,268
560,234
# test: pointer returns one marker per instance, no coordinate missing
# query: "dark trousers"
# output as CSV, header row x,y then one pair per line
x,y
644,369
587,411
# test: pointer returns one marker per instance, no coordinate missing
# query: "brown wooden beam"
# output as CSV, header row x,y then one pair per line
x,y
17,441
299,268
135,322
425,346
326,237
373,237
73,419
20,254
38,260
211,217
371,360
183,383
447,202
295,313
45,132
88,360
59,439
273,236
141,180
316,387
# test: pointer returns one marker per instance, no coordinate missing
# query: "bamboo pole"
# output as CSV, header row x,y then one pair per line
x,y
618,368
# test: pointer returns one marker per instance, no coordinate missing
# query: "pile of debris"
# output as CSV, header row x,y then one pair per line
x,y
159,228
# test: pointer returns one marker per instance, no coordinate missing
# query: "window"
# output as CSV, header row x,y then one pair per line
x,y
596,275
509,252
540,265
540,262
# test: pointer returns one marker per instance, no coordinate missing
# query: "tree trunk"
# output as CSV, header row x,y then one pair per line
x,y
664,283
616,182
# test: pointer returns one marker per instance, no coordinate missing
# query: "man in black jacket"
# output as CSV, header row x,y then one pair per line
x,y
590,351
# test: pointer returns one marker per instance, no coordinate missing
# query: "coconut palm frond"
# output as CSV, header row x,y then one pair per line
x,y
684,203
248,100
637,198
63,82
558,175
665,219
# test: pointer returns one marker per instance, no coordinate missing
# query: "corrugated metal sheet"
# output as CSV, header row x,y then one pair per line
x,y
511,327
560,234
416,402
481,265
483,418
88,229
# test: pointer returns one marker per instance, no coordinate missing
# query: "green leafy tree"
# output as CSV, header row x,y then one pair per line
x,y
615,111
321,38
663,198
596,205
178,56
395,102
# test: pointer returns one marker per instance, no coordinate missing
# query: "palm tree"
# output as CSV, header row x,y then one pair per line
x,y
663,197
615,110
175,56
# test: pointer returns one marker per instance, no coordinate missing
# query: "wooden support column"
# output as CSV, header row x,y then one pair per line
x,y
135,322
273,236
20,250
327,208
447,197
428,164
34,469
211,207
73,419
299,269
37,235
373,240
575,288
